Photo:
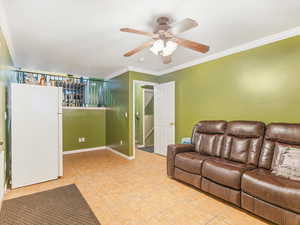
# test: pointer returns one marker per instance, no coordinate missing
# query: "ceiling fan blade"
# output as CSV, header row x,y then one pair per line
x,y
191,44
166,59
129,30
183,26
141,47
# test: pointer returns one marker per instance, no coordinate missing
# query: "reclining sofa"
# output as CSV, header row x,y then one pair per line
x,y
234,160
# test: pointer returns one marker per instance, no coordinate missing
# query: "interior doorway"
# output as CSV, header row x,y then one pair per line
x,y
153,116
144,116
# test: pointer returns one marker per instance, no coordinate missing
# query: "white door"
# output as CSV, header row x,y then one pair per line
x,y
35,134
164,117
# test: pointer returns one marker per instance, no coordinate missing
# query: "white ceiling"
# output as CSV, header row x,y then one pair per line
x,y
83,37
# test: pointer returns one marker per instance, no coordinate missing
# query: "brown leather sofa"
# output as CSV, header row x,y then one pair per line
x,y
233,161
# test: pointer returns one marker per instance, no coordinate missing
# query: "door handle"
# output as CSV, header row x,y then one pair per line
x,y
172,124
1,142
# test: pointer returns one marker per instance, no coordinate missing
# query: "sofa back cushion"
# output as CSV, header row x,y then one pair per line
x,y
208,137
243,141
278,137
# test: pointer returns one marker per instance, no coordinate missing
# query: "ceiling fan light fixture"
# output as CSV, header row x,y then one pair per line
x,y
159,48
164,40
170,48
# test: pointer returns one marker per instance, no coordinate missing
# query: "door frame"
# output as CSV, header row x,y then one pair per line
x,y
133,108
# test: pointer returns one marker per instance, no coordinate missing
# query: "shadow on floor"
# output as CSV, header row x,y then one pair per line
x,y
147,149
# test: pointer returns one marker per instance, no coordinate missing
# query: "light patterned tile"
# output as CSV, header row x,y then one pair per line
x,y
138,192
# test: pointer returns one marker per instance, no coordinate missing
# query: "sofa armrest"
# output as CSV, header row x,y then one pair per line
x,y
172,151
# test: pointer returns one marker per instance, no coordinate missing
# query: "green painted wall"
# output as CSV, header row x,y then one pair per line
x,y
6,62
5,58
90,124
5,78
117,124
258,84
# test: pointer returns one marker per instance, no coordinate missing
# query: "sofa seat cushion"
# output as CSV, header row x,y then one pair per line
x,y
190,161
189,178
225,172
268,187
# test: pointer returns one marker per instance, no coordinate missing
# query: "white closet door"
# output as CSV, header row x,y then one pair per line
x,y
35,134
164,117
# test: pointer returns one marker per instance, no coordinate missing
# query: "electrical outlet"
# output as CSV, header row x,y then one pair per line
x,y
81,139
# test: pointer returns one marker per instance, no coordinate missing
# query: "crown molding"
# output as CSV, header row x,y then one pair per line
x,y
133,69
140,70
116,73
6,33
250,45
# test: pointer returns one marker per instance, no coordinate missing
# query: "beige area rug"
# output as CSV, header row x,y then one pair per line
x,y
60,206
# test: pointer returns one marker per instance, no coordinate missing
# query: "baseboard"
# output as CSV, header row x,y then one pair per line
x,y
84,150
98,148
120,154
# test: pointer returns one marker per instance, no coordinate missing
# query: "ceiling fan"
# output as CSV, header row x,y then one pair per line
x,y
164,42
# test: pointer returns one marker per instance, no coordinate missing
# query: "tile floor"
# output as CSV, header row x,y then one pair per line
x,y
138,192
